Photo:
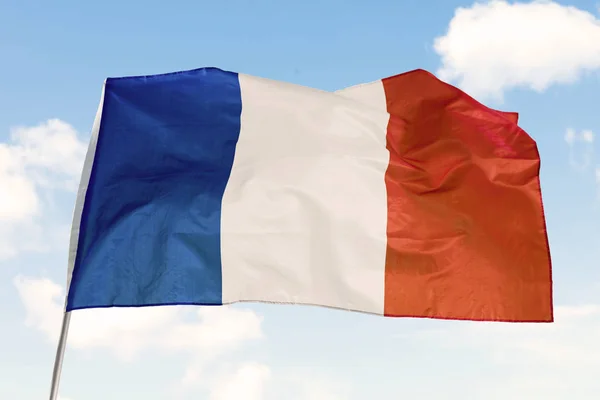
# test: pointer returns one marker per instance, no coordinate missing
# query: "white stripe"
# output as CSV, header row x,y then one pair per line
x,y
304,213
81,192
372,94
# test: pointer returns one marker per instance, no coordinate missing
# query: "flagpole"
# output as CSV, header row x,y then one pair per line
x,y
77,214
60,355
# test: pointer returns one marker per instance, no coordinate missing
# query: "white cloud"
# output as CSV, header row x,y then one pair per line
x,y
587,136
247,382
209,331
525,361
581,148
571,340
311,386
494,46
548,361
35,161
50,153
522,361
570,136
257,381
581,152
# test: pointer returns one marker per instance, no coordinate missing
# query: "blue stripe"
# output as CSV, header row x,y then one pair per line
x,y
150,228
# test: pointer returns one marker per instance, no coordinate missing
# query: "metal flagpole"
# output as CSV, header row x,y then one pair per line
x,y
60,355
77,213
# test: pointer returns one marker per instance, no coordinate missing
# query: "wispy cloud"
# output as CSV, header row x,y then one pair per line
x,y
581,148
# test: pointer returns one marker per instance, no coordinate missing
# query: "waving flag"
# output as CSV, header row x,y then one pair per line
x,y
402,197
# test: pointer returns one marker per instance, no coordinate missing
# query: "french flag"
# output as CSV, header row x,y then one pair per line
x,y
400,197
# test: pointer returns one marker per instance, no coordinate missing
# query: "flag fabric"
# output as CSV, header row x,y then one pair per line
x,y
401,197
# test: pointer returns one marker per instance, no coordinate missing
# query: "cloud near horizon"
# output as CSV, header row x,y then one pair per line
x,y
126,332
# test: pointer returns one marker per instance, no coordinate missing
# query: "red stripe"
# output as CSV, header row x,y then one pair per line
x,y
466,229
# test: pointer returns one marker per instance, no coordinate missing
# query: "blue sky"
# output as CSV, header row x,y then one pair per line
x,y
541,59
